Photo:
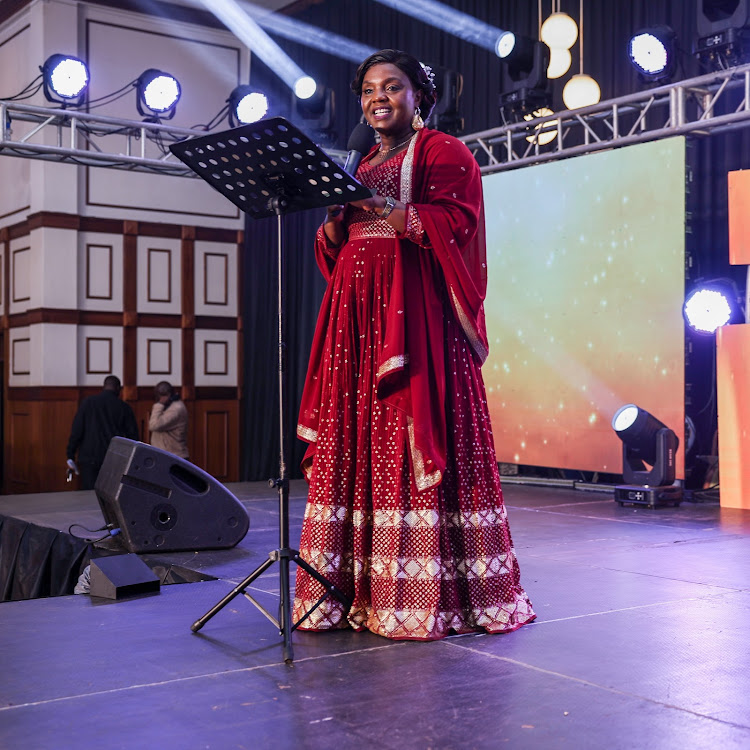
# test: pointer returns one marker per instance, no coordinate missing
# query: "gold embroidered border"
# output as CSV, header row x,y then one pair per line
x,y
468,329
307,434
394,518
407,171
423,480
393,363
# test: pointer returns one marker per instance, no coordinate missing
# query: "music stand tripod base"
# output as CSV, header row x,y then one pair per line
x,y
271,168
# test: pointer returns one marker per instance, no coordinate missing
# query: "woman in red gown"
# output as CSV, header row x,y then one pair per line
x,y
405,512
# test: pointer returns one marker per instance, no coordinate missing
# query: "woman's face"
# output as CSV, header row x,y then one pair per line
x,y
388,99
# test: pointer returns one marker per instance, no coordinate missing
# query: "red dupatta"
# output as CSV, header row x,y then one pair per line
x,y
441,179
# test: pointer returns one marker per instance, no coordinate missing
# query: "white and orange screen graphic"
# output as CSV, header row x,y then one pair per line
x,y
586,265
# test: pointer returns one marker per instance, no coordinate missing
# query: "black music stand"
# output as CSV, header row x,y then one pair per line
x,y
271,168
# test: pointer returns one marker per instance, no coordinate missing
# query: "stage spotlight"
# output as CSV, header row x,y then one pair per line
x,y
316,112
158,94
246,105
713,304
65,79
447,116
646,442
723,29
653,53
525,85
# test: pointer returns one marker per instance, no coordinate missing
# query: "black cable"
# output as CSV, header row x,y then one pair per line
x,y
25,94
117,93
23,91
110,528
218,117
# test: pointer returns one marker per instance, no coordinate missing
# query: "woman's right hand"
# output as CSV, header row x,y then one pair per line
x,y
334,224
334,214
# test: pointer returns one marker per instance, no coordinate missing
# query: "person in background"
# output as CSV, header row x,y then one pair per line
x,y
99,418
405,512
168,423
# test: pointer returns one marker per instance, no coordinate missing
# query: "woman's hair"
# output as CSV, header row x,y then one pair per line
x,y
407,64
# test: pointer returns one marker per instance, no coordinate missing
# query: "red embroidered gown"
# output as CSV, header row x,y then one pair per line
x,y
405,511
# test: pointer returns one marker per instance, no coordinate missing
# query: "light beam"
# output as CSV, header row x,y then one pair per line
x,y
258,42
449,19
307,34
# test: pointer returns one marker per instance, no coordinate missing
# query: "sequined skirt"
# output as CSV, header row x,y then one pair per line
x,y
416,565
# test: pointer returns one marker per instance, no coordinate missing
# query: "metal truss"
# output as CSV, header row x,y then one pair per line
x,y
708,103
65,135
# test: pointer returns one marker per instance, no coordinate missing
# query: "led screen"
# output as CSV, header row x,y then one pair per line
x,y
584,303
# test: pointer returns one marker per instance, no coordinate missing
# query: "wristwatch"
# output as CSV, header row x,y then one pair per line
x,y
390,204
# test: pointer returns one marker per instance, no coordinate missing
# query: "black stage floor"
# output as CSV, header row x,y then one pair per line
x,y
641,642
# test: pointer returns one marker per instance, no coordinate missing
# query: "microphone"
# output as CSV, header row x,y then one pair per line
x,y
360,142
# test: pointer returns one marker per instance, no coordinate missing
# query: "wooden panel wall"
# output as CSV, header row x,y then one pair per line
x,y
36,433
207,352
216,438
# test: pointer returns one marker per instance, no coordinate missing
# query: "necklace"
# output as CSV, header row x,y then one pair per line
x,y
393,148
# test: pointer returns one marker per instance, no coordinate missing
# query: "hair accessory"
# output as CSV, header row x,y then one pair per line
x,y
428,71
417,122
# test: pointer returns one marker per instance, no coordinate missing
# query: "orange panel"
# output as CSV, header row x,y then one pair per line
x,y
739,217
733,391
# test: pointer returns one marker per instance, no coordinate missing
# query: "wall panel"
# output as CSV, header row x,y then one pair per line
x,y
215,431
36,436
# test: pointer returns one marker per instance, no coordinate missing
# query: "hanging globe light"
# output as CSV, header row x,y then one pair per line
x,y
559,62
559,31
581,91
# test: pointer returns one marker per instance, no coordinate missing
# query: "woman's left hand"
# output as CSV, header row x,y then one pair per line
x,y
370,204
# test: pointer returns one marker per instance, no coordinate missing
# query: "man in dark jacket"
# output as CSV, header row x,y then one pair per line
x,y
98,420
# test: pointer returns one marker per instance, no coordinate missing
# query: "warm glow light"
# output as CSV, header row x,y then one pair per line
x,y
559,62
559,31
545,132
581,91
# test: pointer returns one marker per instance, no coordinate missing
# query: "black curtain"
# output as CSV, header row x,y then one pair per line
x,y
36,561
607,28
304,291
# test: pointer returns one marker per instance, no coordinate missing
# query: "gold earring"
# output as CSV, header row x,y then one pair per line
x,y
417,122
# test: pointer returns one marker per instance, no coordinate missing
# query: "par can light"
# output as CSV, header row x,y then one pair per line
x,y
158,93
653,53
246,105
712,304
65,79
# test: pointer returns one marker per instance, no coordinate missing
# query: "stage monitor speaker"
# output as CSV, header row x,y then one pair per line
x,y
163,503
119,576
